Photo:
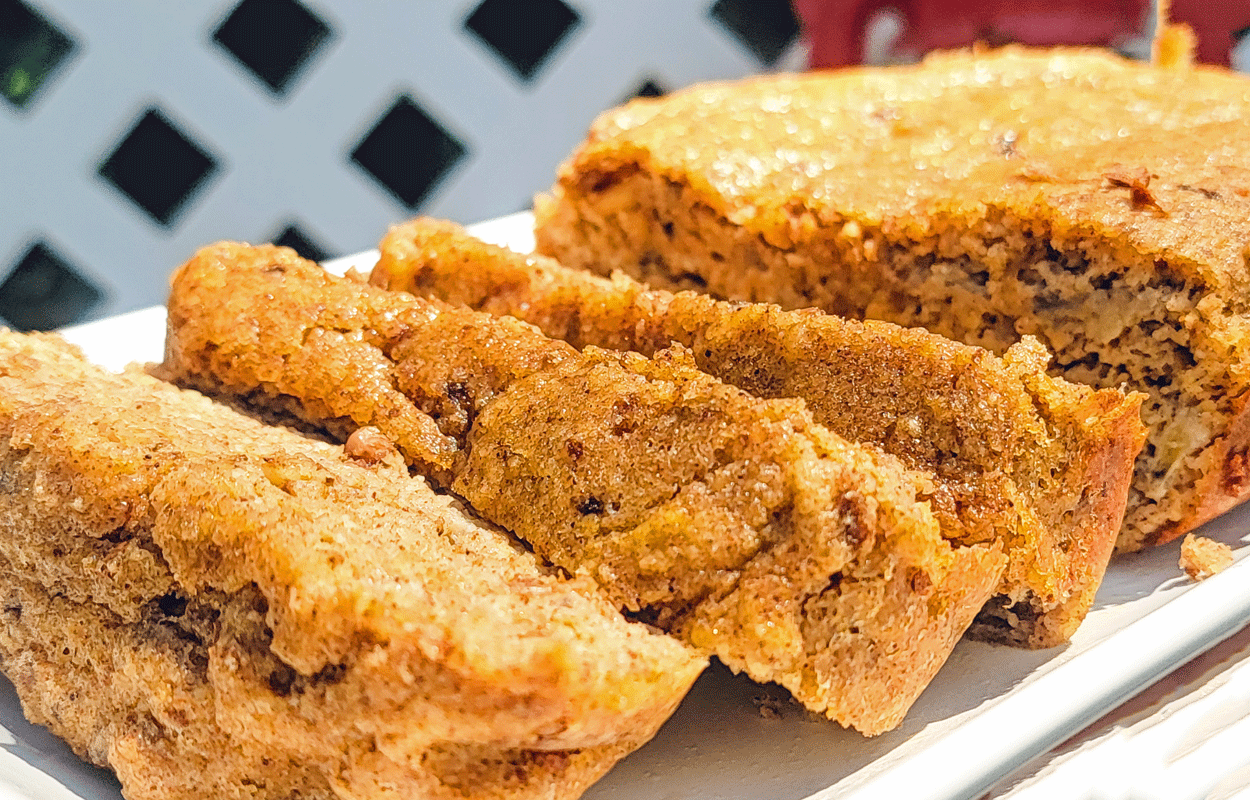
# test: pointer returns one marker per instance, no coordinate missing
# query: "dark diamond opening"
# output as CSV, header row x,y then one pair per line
x,y
523,32
1240,34
272,38
408,152
44,292
157,166
30,49
293,236
649,88
766,27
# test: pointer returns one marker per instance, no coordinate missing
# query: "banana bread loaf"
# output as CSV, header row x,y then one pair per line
x,y
1036,463
736,523
213,607
1098,204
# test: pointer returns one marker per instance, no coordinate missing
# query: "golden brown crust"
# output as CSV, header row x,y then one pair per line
x,y
329,623
695,505
1043,468
1096,203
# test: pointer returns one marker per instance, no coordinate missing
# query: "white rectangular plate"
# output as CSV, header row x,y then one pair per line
x,y
989,711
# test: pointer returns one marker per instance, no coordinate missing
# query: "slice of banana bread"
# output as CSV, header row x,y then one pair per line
x,y
737,523
213,607
1033,462
1098,204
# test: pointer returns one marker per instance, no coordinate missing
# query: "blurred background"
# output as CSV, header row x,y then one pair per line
x,y
132,133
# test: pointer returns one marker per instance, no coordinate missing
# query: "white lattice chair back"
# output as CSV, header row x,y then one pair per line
x,y
133,133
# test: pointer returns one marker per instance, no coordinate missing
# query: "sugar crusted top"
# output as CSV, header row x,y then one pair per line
x,y
1081,142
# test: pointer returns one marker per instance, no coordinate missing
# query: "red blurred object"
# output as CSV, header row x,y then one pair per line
x,y
837,28
1215,22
